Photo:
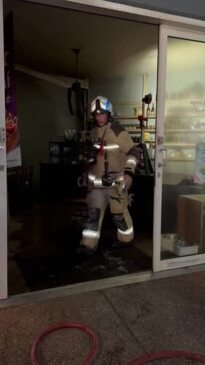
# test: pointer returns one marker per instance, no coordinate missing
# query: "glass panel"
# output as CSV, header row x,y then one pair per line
x,y
183,191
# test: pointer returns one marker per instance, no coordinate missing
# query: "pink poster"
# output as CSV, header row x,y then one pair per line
x,y
12,124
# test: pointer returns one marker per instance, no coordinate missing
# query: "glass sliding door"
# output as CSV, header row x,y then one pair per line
x,y
180,169
3,184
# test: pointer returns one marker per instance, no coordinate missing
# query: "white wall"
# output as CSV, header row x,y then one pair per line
x,y
43,115
125,92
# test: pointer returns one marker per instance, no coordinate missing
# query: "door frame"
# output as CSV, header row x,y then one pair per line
x,y
3,172
124,11
106,8
179,262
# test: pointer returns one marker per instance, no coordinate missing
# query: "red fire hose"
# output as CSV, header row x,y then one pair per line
x,y
58,326
186,355
162,355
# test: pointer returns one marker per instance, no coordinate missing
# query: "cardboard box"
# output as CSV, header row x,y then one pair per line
x,y
191,220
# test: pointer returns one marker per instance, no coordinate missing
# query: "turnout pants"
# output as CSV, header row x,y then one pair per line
x,y
98,200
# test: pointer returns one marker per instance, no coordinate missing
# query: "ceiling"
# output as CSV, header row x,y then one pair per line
x,y
45,36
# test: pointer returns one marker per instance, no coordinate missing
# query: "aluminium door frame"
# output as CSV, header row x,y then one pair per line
x,y
96,7
179,262
3,172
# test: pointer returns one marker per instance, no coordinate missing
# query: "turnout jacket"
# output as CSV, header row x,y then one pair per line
x,y
114,143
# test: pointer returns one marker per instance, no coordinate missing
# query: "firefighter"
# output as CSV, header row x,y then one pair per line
x,y
110,176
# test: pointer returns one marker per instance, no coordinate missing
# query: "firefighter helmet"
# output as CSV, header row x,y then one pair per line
x,y
101,105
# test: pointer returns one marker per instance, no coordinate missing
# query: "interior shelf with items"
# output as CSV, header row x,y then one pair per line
x,y
137,116
181,144
145,138
132,125
184,129
141,126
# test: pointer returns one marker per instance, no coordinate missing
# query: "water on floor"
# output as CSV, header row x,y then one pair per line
x,y
43,240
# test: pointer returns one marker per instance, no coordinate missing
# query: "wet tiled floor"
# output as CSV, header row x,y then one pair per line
x,y
43,244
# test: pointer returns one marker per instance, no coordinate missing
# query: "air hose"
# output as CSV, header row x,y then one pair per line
x,y
186,355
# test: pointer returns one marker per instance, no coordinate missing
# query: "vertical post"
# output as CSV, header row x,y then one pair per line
x,y
144,85
161,88
3,172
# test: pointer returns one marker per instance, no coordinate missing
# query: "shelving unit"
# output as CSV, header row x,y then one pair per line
x,y
131,118
134,130
131,127
145,137
184,128
179,144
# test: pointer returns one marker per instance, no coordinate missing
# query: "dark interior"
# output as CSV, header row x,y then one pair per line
x,y
46,193
50,231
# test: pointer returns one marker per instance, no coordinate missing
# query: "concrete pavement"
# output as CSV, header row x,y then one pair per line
x,y
130,320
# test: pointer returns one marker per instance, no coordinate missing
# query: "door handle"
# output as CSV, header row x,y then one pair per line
x,y
2,149
163,149
164,157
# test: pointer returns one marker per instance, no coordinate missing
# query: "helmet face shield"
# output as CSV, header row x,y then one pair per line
x,y
100,105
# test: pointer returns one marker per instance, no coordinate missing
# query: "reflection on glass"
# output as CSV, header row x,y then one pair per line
x,y
183,197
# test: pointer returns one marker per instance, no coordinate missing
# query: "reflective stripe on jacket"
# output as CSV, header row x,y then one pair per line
x,y
121,151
